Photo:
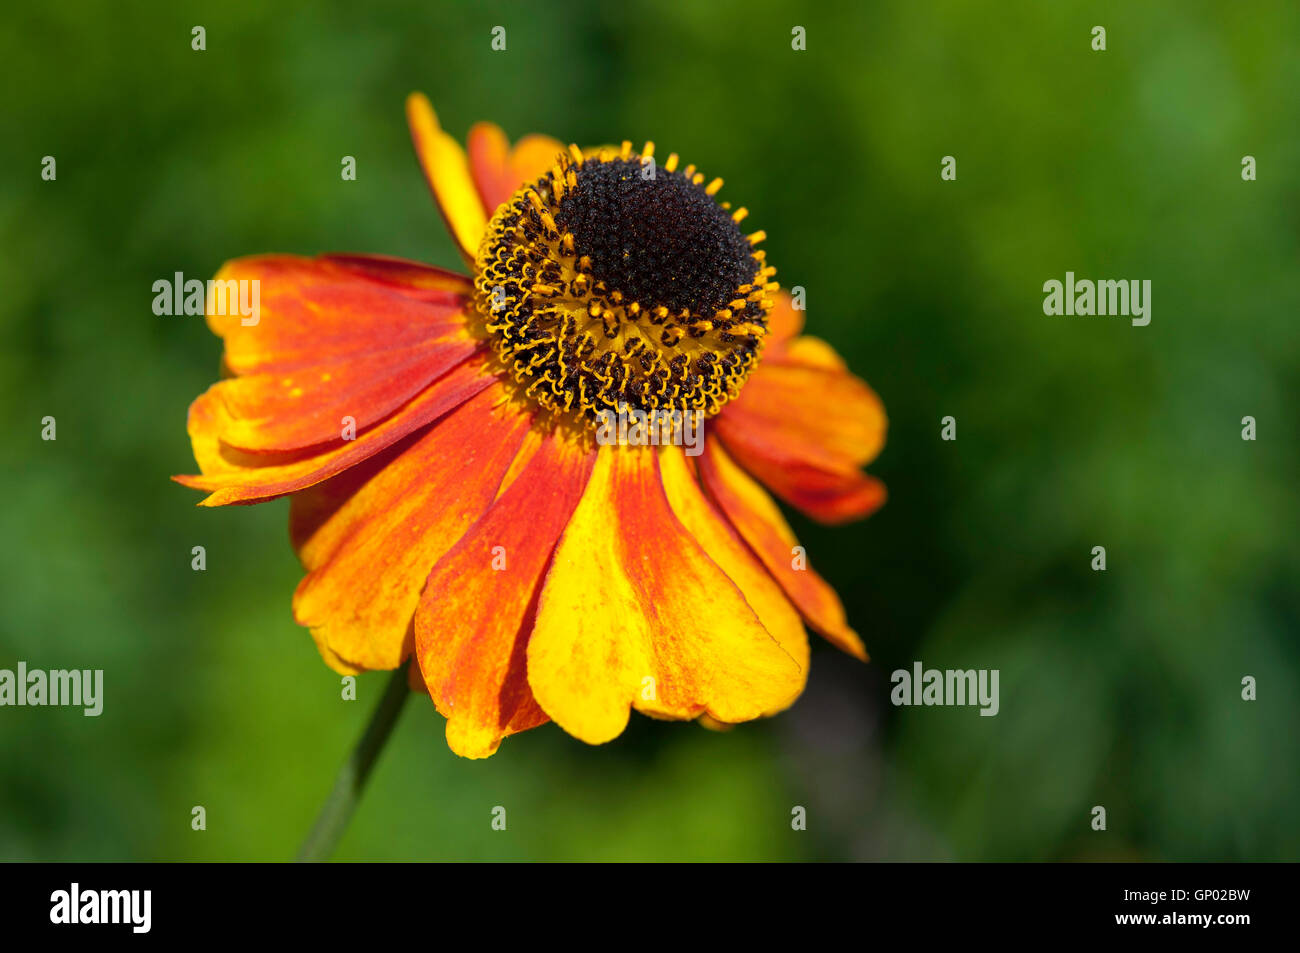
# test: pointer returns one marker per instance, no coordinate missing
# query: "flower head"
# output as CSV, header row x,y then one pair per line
x,y
442,439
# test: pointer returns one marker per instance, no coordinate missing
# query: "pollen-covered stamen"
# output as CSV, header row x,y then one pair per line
x,y
610,280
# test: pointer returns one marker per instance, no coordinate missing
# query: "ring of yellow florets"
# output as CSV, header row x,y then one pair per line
x,y
611,282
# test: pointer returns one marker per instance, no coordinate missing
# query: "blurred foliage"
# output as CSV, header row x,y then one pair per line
x,y
1118,688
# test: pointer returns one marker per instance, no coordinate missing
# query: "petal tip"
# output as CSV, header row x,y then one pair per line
x,y
419,107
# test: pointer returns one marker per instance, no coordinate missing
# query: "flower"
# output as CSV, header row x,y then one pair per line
x,y
439,438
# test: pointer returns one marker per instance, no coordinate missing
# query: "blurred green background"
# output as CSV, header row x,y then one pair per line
x,y
1119,689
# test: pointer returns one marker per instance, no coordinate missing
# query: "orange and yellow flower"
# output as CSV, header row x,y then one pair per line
x,y
437,436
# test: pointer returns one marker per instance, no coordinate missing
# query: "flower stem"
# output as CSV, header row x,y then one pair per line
x,y
351,781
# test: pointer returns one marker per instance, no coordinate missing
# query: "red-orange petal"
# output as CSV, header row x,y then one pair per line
x,y
634,613
498,171
326,404
368,560
316,310
412,279
477,610
337,344
233,476
759,521
804,426
825,495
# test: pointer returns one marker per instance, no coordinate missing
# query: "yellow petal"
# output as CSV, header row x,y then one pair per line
x,y
725,547
634,613
447,170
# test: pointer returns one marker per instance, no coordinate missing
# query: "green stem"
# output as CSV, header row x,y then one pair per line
x,y
351,781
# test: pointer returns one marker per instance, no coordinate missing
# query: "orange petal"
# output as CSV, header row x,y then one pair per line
x,y
477,610
796,413
489,158
233,476
811,352
333,661
804,426
784,324
367,562
498,170
634,613
316,310
532,156
758,519
447,171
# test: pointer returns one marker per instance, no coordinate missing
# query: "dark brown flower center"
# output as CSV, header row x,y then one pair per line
x,y
611,280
